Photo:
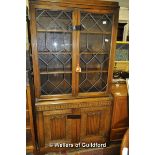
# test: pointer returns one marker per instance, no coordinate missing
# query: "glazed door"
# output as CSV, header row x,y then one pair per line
x,y
73,51
55,51
52,51
94,52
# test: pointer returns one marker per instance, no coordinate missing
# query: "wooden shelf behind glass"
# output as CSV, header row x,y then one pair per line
x,y
69,31
55,72
93,53
57,53
95,32
69,72
54,53
94,71
53,30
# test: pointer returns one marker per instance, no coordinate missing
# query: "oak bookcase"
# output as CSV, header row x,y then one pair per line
x,y
73,48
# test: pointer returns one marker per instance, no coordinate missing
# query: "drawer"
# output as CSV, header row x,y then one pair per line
x,y
117,134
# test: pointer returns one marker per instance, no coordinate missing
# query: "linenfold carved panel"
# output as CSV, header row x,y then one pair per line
x,y
93,123
56,126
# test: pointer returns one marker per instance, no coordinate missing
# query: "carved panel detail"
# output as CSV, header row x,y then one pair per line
x,y
93,123
64,105
58,127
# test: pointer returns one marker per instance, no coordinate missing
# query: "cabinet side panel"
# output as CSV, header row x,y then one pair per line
x,y
34,51
40,129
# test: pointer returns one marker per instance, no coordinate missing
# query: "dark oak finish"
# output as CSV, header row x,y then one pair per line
x,y
71,121
77,114
77,52
34,51
95,124
79,3
98,7
74,54
56,126
40,129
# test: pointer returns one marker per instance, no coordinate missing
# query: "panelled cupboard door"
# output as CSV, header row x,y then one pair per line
x,y
57,128
72,50
52,56
95,124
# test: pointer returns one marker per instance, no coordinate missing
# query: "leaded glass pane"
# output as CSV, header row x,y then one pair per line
x,y
96,22
91,82
54,51
54,43
55,84
58,20
95,42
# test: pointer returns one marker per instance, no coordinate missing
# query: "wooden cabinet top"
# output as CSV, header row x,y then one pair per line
x,y
79,2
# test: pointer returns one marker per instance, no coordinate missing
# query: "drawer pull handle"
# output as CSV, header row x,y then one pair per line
x,y
73,116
